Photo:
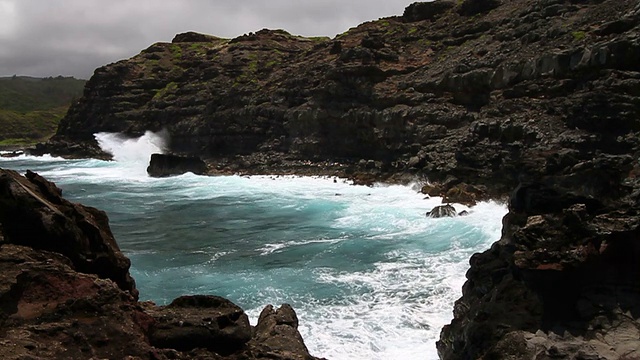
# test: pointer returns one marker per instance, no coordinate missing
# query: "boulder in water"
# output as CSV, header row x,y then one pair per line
x,y
442,211
14,153
162,165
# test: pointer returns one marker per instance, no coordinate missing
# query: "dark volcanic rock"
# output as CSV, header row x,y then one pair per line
x,y
65,293
14,153
33,213
200,321
48,310
562,281
442,211
162,165
520,87
542,93
60,146
473,7
426,10
277,333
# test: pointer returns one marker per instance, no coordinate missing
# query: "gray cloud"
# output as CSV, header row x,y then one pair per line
x,y
50,38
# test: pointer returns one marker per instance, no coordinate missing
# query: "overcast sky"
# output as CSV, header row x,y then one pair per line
x,y
73,37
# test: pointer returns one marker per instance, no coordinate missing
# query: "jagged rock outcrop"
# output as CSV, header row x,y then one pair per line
x,y
161,165
66,293
541,93
33,213
442,211
561,283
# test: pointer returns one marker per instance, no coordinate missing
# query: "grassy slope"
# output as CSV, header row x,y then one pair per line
x,y
30,108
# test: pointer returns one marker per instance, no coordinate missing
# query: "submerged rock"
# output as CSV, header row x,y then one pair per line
x,y
162,165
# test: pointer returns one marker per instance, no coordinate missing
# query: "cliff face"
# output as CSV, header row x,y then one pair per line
x,y
66,293
540,96
481,90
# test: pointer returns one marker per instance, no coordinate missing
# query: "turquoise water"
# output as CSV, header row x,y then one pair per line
x,y
368,274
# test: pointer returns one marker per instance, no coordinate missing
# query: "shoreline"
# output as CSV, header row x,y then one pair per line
x,y
452,190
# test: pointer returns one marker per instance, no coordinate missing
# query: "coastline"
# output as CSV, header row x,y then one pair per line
x,y
535,101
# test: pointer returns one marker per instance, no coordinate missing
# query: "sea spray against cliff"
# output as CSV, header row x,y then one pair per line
x,y
133,153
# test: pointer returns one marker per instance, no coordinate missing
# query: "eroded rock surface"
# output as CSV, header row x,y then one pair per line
x,y
33,213
563,281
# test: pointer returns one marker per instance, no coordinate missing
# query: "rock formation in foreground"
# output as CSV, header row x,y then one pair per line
x,y
535,98
66,293
562,282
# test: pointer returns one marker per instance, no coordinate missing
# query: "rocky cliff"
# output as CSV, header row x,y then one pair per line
x,y
66,293
481,90
538,98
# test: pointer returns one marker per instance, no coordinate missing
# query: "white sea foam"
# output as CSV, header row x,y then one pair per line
x,y
43,158
132,154
410,297
392,305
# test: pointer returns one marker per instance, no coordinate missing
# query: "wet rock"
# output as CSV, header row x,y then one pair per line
x,y
442,211
12,154
162,165
463,194
432,190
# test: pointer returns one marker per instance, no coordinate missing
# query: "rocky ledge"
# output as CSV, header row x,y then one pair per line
x,y
66,293
485,98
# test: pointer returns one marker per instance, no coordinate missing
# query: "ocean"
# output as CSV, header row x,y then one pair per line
x,y
369,275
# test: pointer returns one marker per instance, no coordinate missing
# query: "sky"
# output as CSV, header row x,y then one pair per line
x,y
74,37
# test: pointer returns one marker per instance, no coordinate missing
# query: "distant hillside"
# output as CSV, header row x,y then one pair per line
x,y
30,108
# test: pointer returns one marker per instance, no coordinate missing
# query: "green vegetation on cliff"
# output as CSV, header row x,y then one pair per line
x,y
30,108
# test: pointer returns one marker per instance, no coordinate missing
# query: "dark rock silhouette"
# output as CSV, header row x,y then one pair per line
x,y
33,213
161,165
200,321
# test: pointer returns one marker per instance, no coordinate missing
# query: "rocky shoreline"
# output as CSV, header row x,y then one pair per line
x,y
536,100
66,293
